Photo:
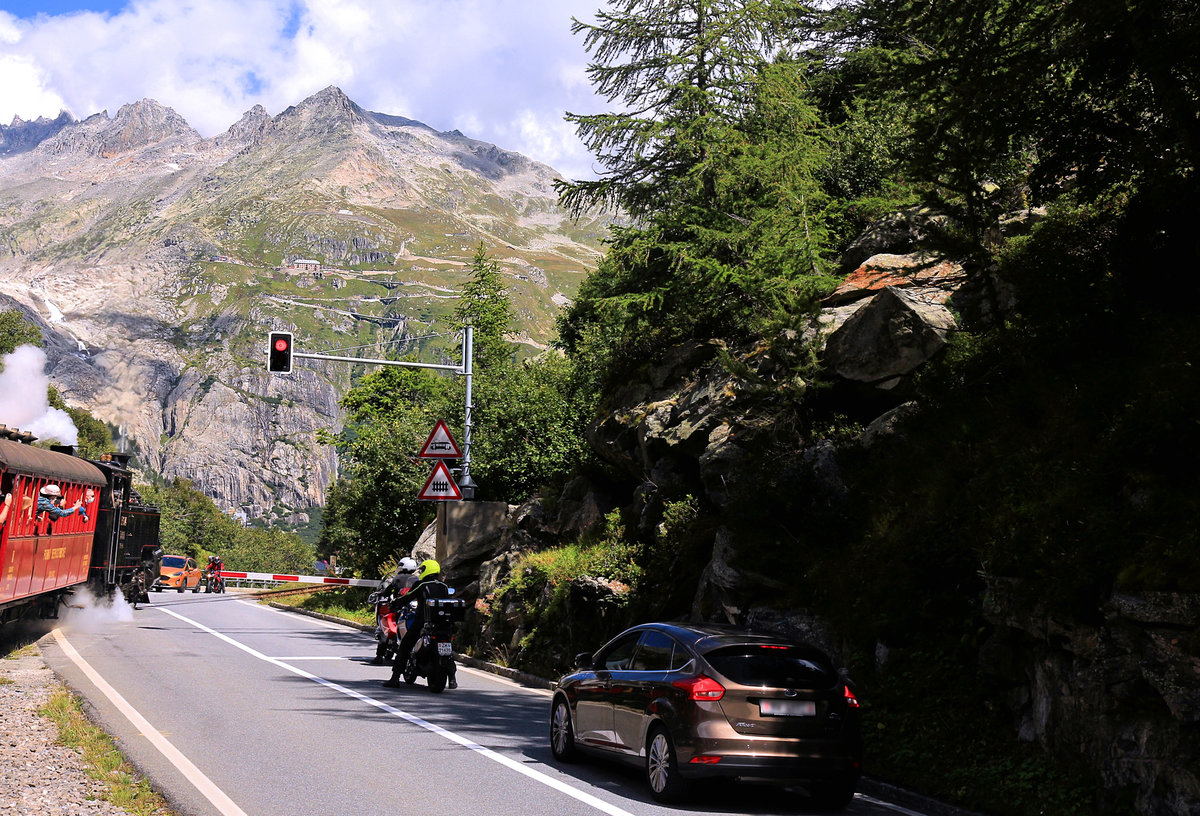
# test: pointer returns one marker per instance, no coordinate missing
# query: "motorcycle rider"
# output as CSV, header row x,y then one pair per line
x,y
213,571
429,585
394,586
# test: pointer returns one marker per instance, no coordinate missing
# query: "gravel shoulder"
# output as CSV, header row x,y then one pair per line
x,y
40,777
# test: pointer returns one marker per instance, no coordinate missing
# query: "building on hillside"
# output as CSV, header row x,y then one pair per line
x,y
305,263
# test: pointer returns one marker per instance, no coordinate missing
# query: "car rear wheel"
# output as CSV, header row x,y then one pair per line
x,y
562,733
662,768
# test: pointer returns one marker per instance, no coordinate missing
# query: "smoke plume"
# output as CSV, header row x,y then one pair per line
x,y
23,401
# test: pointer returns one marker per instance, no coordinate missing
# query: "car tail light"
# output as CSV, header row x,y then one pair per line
x,y
851,700
701,688
705,760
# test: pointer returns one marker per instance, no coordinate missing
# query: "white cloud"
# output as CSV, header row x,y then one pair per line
x,y
498,71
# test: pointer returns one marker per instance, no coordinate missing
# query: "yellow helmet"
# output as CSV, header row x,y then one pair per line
x,y
428,568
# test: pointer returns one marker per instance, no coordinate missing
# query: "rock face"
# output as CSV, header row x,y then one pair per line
x,y
1125,690
1121,693
156,261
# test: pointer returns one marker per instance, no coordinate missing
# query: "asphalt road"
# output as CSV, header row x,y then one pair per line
x,y
231,707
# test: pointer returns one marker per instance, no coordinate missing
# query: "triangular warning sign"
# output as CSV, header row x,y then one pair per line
x,y
440,486
440,444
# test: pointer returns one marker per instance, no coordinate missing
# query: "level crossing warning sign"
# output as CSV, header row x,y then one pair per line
x,y
440,444
440,486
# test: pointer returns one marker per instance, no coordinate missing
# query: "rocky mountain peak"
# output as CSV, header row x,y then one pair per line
x,y
321,114
248,130
21,136
144,123
137,125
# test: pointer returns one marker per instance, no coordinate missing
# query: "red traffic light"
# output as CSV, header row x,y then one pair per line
x,y
279,353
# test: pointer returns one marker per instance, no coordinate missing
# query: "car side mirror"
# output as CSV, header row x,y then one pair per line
x,y
583,660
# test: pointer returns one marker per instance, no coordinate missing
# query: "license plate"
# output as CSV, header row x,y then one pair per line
x,y
444,649
787,708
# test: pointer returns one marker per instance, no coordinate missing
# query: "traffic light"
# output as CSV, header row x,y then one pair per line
x,y
279,353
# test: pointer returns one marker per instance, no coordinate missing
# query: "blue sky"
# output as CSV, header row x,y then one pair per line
x,y
52,7
503,71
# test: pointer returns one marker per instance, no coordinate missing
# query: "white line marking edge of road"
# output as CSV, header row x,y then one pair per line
x,y
207,788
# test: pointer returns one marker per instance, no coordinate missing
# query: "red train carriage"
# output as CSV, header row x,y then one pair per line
x,y
110,542
43,557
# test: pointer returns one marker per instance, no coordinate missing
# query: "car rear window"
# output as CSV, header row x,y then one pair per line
x,y
773,666
173,561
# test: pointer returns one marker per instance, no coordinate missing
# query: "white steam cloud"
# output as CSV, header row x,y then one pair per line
x,y
23,401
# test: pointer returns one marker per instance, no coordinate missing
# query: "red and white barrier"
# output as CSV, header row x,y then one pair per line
x,y
303,579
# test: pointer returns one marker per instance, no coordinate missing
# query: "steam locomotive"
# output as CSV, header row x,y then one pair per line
x,y
108,544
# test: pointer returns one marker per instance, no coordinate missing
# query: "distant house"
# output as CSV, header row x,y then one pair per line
x,y
305,263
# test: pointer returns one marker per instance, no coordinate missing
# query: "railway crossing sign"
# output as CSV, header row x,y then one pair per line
x,y
440,444
440,486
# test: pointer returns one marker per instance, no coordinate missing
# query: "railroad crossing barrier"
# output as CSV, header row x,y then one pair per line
x,y
274,579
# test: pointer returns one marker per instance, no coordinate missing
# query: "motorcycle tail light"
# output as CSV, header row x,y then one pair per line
x,y
701,688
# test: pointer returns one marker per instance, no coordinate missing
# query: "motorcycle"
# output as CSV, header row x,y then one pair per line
x,y
214,582
433,654
390,623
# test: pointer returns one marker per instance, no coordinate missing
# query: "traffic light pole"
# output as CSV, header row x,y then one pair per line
x,y
457,369
466,483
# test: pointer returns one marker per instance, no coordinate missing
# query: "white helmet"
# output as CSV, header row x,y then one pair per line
x,y
407,565
52,490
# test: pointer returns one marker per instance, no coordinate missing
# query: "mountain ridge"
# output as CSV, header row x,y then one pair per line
x,y
155,261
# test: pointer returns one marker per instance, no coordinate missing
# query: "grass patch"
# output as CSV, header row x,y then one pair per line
x,y
102,759
348,603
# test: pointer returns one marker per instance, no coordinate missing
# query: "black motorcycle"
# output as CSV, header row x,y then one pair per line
x,y
433,654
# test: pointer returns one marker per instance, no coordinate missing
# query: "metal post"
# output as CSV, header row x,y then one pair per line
x,y
466,483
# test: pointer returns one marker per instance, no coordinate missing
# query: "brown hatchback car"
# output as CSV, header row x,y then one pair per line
x,y
696,701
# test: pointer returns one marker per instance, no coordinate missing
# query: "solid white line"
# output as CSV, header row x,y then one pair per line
x,y
537,776
888,805
203,784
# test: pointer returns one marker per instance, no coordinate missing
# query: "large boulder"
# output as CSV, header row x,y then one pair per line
x,y
896,233
891,336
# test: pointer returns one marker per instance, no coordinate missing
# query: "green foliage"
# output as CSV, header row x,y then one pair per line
x,y
527,423
16,330
193,525
371,512
347,603
719,164
484,305
1036,93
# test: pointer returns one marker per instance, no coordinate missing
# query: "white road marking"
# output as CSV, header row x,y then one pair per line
x,y
887,805
511,764
203,784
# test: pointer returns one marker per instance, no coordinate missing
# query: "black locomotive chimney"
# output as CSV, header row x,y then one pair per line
x,y
69,450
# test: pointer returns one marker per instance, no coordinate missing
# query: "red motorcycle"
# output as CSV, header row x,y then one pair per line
x,y
214,582
391,618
